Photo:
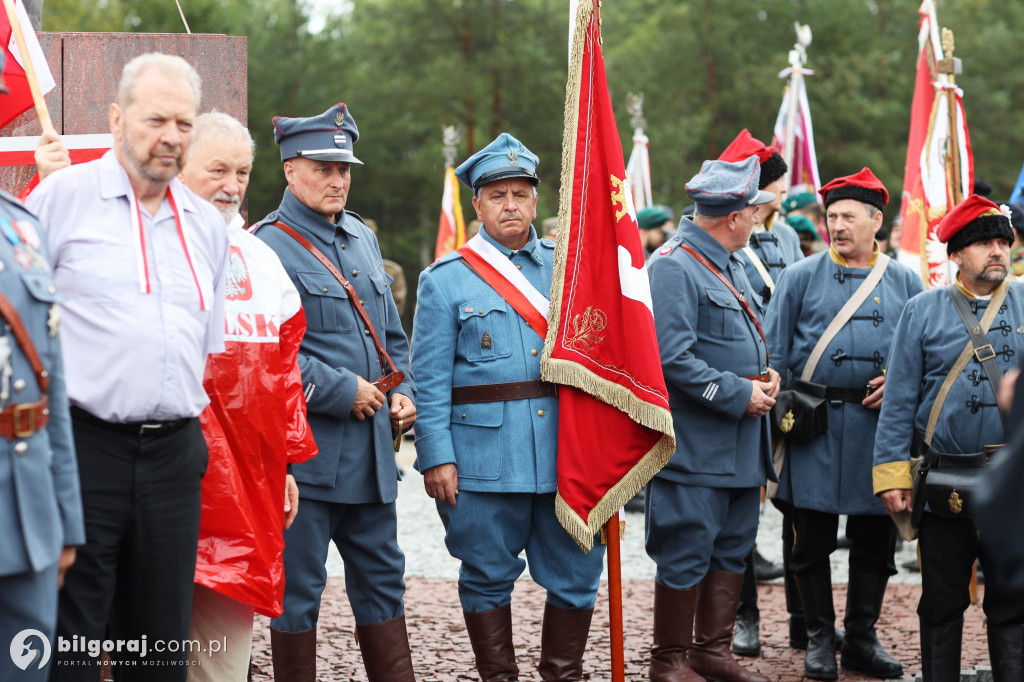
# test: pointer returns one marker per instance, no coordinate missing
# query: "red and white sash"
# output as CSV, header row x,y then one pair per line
x,y
494,268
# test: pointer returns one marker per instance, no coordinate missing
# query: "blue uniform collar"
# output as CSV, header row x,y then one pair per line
x,y
709,247
294,212
532,248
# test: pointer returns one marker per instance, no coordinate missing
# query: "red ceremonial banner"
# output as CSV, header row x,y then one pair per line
x,y
614,427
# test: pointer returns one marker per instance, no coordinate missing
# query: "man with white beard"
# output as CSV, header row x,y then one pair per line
x,y
256,423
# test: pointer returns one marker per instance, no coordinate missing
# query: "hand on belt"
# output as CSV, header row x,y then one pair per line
x,y
24,419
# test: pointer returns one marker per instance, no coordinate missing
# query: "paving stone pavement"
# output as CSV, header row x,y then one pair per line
x,y
441,650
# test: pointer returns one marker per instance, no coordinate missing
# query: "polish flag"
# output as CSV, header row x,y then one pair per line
x,y
19,99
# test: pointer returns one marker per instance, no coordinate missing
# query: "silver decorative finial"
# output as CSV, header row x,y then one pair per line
x,y
635,107
451,135
798,55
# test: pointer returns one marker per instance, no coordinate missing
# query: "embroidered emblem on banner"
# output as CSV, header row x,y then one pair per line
x,y
586,327
237,284
619,198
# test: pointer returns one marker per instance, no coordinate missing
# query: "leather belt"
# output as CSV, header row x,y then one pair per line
x,y
845,395
150,429
24,419
513,390
939,460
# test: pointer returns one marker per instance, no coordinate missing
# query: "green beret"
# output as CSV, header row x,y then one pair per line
x,y
795,201
801,224
652,217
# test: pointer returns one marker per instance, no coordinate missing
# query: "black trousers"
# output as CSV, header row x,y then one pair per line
x,y
948,548
133,578
873,541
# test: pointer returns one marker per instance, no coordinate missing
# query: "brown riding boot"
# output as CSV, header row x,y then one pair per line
x,y
673,634
293,655
490,633
385,649
562,643
718,595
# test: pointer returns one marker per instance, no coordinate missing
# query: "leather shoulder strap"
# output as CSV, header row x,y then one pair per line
x,y
983,350
386,363
739,297
961,362
845,314
21,335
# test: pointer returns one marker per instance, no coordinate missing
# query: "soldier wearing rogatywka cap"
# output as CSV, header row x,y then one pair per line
x,y
487,437
352,359
701,509
830,474
923,367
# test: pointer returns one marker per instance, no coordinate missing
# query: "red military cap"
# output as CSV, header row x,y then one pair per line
x,y
862,186
746,145
975,219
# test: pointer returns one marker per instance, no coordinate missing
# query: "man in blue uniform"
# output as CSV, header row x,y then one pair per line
x,y
487,436
701,509
353,336
924,370
40,503
773,246
831,474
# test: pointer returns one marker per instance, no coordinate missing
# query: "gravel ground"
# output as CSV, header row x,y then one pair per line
x,y
441,650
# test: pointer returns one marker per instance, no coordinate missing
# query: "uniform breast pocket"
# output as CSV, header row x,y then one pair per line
x,y
41,287
721,312
484,330
326,303
381,281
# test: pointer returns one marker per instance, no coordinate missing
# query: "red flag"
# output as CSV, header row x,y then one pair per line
x,y
451,233
19,100
936,150
615,427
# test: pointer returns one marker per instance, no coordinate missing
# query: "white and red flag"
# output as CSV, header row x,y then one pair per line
x,y
19,99
939,170
638,172
803,166
614,427
451,233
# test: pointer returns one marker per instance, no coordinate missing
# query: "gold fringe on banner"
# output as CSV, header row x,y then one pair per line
x,y
572,374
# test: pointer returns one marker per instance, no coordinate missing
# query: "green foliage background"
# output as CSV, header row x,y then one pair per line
x,y
708,68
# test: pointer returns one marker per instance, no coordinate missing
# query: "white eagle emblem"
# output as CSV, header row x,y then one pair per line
x,y
237,280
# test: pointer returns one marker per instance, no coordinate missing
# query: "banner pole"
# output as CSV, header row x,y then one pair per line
x,y
611,528
30,72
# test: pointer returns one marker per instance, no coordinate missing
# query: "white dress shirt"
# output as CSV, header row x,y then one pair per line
x,y
131,356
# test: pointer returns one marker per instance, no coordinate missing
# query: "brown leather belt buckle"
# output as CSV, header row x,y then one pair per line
x,y
989,450
23,428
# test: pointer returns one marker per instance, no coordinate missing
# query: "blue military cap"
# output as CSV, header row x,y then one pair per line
x,y
722,187
327,137
505,157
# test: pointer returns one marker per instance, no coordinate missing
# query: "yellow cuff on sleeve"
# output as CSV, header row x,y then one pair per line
x,y
892,476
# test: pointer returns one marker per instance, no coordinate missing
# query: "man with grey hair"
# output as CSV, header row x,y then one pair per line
x,y
255,424
140,260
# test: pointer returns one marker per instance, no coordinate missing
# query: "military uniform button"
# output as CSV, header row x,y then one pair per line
x,y
366,332
463,415
355,273
19,385
362,301
541,413
52,289
533,352
342,247
519,266
325,290
21,447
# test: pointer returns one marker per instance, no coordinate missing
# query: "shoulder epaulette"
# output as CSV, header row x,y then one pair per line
x,y
269,219
446,258
668,246
548,243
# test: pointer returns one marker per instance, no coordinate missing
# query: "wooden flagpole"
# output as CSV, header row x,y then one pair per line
x,y
611,532
30,72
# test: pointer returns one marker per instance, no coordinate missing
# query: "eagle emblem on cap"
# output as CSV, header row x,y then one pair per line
x,y
339,118
513,159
